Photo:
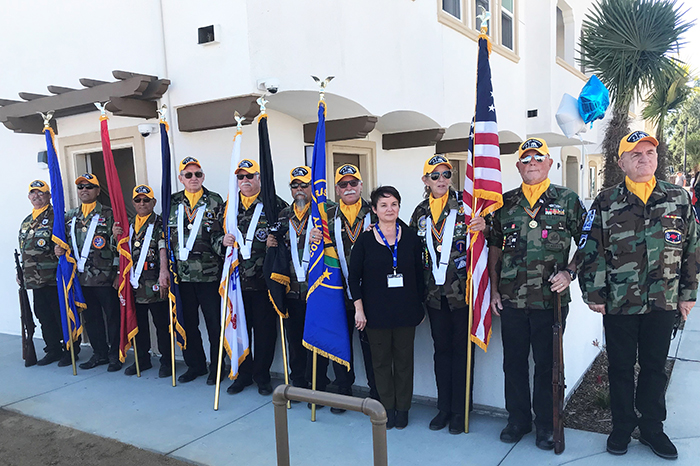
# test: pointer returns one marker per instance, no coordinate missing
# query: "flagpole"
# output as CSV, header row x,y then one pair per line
x,y
172,339
70,333
136,357
469,351
313,385
221,343
284,357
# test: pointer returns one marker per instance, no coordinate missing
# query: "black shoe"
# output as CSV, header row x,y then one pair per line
x,y
115,366
401,419
165,371
66,360
94,361
143,366
544,440
191,374
617,442
237,386
49,359
660,444
390,418
265,389
513,433
342,391
211,380
440,421
308,405
457,424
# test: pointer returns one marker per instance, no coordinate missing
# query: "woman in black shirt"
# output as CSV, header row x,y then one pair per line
x,y
386,283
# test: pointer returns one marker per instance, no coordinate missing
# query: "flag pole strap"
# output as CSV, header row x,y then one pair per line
x,y
172,340
221,345
313,385
284,356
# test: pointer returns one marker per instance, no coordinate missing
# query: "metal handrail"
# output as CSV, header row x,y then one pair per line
x,y
368,406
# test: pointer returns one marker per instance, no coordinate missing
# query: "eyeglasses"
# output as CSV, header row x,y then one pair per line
x,y
447,174
86,186
528,158
139,200
344,184
250,176
188,175
295,185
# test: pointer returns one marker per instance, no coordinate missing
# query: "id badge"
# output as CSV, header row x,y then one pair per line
x,y
394,280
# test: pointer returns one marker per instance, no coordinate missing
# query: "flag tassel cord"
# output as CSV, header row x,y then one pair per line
x,y
219,364
284,356
313,384
70,337
172,341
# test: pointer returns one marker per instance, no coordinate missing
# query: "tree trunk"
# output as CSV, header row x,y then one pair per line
x,y
662,150
617,128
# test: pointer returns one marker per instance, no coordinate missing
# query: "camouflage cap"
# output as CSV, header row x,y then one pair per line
x,y
39,185
88,178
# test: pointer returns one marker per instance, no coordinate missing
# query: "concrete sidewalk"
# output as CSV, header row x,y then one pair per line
x,y
180,421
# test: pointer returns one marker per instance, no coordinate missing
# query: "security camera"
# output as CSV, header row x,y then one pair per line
x,y
146,129
271,85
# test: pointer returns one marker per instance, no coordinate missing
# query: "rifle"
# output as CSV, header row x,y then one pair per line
x,y
558,384
28,350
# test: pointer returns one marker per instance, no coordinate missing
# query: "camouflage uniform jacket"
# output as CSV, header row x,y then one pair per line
x,y
456,276
348,233
530,254
39,262
289,219
148,290
103,262
252,277
639,258
205,259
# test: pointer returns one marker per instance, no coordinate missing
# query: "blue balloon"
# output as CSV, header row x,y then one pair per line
x,y
593,100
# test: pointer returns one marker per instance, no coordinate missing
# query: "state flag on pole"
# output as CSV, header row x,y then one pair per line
x,y
483,193
326,325
129,326
232,310
70,296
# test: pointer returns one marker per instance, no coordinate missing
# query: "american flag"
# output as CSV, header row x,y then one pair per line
x,y
482,193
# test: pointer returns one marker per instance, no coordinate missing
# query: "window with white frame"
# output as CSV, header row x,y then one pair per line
x,y
507,23
453,7
482,7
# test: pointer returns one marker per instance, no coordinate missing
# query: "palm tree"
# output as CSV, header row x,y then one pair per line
x,y
628,44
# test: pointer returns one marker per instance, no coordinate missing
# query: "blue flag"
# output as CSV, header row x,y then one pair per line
x,y
326,325
70,296
174,292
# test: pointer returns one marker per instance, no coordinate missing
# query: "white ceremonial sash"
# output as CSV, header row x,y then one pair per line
x,y
185,250
136,272
246,244
440,269
85,252
300,268
341,249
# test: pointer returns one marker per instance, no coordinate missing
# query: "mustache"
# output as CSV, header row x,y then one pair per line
x,y
246,183
349,191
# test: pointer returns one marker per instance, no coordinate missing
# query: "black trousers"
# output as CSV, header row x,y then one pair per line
x,y
261,318
161,320
205,295
298,355
522,329
99,300
449,329
647,337
48,311
392,355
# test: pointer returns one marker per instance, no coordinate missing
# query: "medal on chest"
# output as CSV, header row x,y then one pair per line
x,y
532,213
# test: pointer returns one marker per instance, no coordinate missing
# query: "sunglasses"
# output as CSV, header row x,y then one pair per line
x,y
528,158
86,186
188,175
447,174
250,176
139,200
295,185
344,184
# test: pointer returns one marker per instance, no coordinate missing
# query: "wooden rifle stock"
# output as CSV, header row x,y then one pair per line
x,y
558,384
28,350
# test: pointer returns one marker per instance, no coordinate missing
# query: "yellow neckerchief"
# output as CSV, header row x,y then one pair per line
x,y
533,192
641,190
37,212
87,208
139,222
351,211
437,206
248,201
300,213
194,197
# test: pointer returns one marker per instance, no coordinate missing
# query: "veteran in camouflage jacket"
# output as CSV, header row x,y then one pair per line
x,y
39,263
640,265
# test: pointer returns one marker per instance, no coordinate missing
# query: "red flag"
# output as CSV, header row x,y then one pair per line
x,y
129,327
482,194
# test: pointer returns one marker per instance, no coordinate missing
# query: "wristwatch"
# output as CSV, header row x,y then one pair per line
x,y
572,274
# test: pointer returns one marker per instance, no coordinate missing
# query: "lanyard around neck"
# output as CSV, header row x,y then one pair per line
x,y
394,250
